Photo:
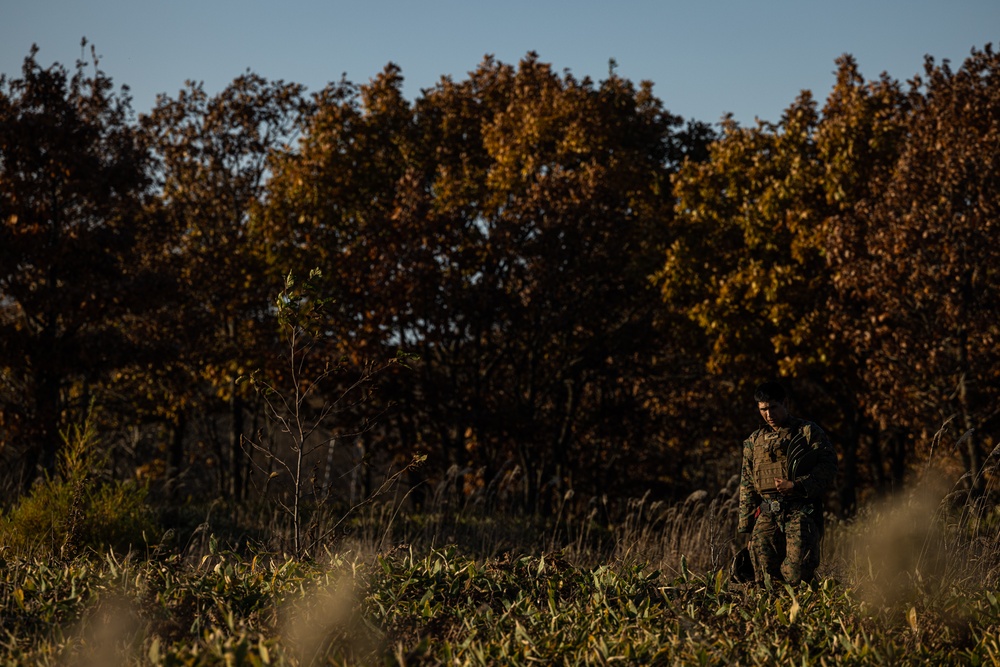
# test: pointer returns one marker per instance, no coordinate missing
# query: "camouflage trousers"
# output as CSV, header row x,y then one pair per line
x,y
785,546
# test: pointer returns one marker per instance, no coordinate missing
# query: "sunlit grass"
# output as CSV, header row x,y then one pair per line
x,y
652,588
910,580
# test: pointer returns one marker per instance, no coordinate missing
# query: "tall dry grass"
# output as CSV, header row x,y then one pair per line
x,y
936,535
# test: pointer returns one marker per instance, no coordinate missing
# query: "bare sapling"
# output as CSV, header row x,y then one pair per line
x,y
306,420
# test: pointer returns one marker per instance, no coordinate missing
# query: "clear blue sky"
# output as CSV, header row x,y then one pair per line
x,y
705,57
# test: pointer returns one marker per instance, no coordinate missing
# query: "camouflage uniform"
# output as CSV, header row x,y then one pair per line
x,y
785,538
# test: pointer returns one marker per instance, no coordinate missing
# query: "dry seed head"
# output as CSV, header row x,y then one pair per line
x,y
326,620
901,542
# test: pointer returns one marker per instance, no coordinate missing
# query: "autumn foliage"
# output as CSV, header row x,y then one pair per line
x,y
585,287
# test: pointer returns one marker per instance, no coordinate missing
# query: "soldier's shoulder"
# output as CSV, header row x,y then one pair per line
x,y
802,424
811,430
759,433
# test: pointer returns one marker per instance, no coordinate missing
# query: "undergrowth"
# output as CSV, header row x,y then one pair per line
x,y
910,581
78,508
902,584
441,607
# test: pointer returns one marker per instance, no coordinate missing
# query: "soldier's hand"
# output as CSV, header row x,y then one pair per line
x,y
784,486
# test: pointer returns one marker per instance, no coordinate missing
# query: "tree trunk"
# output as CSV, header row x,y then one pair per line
x,y
897,440
875,460
237,461
972,456
46,426
176,461
849,470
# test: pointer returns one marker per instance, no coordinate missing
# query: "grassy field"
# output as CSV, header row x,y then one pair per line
x,y
912,583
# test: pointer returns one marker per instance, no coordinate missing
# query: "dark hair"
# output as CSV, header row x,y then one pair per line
x,y
770,392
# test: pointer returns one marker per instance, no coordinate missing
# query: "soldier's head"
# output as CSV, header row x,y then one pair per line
x,y
771,402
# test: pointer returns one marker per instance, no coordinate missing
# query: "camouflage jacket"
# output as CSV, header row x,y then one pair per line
x,y
765,456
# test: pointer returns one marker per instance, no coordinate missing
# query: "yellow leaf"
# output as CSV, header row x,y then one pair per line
x,y
793,611
911,618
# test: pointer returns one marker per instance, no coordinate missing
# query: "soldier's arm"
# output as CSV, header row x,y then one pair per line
x,y
821,475
749,498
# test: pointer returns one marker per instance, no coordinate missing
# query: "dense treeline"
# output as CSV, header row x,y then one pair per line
x,y
584,286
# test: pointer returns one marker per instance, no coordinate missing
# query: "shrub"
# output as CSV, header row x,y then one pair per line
x,y
78,509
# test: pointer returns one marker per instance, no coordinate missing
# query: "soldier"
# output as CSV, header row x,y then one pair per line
x,y
788,465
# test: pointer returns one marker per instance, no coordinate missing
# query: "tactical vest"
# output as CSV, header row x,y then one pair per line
x,y
770,457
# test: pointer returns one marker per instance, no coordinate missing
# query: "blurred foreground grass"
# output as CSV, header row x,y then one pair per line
x,y
440,606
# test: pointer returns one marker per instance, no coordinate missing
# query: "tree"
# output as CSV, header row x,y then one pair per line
x,y
931,285
211,169
762,255
74,178
570,212
858,142
743,261
503,229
